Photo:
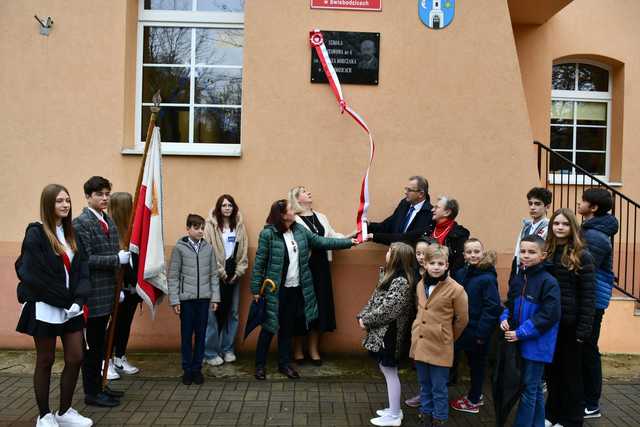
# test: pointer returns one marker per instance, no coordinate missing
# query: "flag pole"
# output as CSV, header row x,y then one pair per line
x,y
120,276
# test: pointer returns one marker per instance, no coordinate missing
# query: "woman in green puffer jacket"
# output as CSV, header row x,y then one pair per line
x,y
283,257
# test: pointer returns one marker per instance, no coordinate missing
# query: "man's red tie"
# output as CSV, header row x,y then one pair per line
x,y
105,228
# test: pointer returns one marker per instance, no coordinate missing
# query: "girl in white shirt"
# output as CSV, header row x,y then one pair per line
x,y
54,285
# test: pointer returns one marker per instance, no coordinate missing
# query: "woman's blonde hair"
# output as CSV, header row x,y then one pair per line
x,y
572,251
49,218
401,261
293,199
120,207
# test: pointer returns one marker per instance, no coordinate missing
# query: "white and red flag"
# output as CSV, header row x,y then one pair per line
x,y
146,234
317,42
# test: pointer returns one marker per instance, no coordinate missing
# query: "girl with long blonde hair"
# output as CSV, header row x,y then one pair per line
x,y
54,285
120,208
387,318
573,268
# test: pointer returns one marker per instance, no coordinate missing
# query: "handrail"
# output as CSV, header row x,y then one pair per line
x,y
582,171
625,242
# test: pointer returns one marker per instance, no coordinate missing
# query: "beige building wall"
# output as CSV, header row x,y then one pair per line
x,y
450,105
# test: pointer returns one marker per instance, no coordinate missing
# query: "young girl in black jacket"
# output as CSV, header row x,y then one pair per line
x,y
54,285
572,266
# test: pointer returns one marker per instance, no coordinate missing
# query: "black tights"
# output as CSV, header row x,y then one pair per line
x,y
45,356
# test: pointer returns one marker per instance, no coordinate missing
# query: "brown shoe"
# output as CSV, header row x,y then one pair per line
x,y
261,373
289,372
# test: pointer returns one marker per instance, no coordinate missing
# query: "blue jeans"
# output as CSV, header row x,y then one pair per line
x,y
434,394
193,321
531,409
220,342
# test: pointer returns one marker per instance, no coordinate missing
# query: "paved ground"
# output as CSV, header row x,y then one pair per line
x,y
275,402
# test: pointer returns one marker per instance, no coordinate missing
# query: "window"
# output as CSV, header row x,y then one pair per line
x,y
191,51
580,117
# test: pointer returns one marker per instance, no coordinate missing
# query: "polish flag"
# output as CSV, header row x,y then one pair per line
x,y
147,243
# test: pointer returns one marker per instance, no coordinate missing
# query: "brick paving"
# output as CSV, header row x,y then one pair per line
x,y
276,402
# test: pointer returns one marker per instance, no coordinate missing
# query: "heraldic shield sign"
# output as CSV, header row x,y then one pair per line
x,y
436,14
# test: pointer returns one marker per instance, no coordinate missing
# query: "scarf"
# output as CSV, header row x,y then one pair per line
x,y
442,230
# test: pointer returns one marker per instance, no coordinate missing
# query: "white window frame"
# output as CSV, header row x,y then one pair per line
x,y
181,18
583,96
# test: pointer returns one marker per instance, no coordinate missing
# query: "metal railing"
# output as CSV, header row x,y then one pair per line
x,y
567,181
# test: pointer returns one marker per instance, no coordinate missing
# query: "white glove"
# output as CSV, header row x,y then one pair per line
x,y
73,311
121,296
124,256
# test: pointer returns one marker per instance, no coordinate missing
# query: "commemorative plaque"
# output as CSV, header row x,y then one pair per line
x,y
354,55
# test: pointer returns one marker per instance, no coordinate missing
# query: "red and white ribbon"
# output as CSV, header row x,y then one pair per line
x,y
317,42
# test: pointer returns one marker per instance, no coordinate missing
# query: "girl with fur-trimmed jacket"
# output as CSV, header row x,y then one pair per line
x,y
387,318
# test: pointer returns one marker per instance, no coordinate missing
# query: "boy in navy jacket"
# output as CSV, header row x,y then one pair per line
x,y
598,229
532,318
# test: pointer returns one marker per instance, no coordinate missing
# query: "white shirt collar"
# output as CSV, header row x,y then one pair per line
x,y
98,215
418,206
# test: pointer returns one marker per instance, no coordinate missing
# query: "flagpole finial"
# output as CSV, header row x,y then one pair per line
x,y
157,99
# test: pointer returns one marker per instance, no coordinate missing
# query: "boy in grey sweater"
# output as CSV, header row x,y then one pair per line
x,y
193,287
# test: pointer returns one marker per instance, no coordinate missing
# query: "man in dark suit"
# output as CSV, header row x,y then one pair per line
x,y
99,237
411,219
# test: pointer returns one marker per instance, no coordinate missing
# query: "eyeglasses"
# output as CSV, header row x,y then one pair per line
x,y
411,190
294,247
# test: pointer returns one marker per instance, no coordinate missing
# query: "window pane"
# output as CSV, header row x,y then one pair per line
x,y
592,78
592,113
221,5
168,4
591,138
173,83
562,112
558,165
592,162
561,137
217,125
167,45
219,46
219,86
173,122
564,77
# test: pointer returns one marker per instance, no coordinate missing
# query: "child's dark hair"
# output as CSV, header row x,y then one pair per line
x,y
598,197
95,184
541,194
534,238
194,220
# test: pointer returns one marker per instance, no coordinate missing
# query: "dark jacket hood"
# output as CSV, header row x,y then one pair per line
x,y
607,224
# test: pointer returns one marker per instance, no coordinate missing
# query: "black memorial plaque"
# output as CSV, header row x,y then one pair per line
x,y
355,57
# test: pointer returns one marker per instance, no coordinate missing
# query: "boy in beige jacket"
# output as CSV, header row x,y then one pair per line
x,y
442,316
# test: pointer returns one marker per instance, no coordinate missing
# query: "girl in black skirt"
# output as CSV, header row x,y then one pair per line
x,y
54,285
387,319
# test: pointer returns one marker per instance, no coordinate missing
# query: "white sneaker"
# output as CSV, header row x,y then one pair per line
x,y
72,418
215,361
112,374
122,365
47,421
387,420
387,411
229,357
548,423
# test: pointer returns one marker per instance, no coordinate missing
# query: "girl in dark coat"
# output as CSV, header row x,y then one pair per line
x,y
54,285
572,266
479,279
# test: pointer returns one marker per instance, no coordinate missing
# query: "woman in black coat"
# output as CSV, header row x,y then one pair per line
x,y
54,285
572,266
446,231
